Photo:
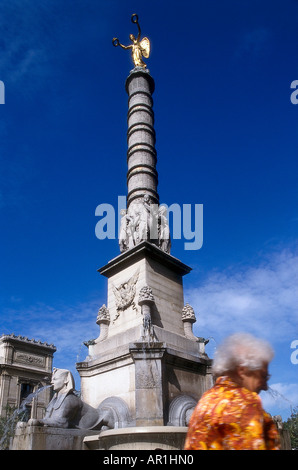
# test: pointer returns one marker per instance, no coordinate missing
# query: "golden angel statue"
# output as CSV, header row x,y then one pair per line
x,y
139,48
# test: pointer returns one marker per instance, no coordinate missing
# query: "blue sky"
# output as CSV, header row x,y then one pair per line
x,y
227,138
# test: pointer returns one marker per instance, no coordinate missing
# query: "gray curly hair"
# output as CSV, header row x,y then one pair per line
x,y
241,349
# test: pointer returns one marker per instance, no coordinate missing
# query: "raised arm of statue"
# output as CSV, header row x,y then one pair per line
x,y
139,48
116,43
135,19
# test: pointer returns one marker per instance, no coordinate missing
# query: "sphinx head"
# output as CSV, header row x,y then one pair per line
x,y
62,381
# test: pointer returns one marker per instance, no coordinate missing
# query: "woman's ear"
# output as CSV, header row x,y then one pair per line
x,y
241,372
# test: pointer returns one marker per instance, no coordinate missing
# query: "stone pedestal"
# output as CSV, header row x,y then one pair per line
x,y
149,396
144,265
47,438
145,363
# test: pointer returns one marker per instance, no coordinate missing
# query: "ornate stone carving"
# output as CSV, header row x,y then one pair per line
x,y
66,409
147,376
164,239
118,412
103,314
103,320
125,294
144,221
188,318
24,339
146,300
145,295
126,235
31,359
188,314
180,410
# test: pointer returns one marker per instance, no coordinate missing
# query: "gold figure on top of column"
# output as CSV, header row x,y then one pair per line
x,y
140,48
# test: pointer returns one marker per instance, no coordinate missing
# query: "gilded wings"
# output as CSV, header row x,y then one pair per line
x,y
145,47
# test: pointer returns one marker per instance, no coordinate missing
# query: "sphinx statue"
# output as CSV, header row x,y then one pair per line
x,y
67,410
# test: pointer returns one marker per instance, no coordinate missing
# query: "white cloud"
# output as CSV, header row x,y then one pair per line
x,y
25,42
37,38
280,397
262,299
67,327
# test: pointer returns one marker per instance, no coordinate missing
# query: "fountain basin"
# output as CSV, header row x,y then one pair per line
x,y
138,438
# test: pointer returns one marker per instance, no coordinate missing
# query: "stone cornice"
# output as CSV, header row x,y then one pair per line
x,y
144,250
23,339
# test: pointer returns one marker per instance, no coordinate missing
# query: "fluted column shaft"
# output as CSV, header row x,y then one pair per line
x,y
142,176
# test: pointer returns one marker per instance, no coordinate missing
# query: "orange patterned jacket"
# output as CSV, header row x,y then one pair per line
x,y
229,417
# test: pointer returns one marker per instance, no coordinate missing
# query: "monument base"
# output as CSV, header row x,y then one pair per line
x,y
48,438
147,359
138,438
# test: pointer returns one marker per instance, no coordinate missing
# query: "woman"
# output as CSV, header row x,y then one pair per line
x,y
230,415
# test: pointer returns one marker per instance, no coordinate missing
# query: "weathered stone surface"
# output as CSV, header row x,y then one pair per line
x,y
40,438
145,265
25,366
139,438
146,371
141,153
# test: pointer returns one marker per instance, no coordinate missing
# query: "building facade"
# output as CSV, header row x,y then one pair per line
x,y
25,368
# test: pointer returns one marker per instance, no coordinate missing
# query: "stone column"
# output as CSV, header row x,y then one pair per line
x,y
141,153
149,395
5,382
